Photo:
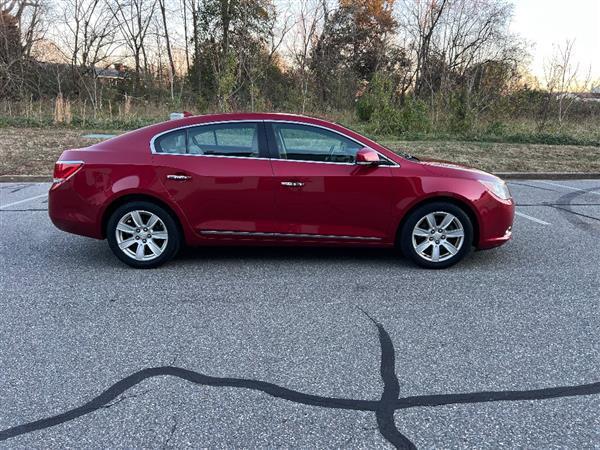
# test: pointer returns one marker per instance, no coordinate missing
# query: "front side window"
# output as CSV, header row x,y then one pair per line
x,y
308,143
227,139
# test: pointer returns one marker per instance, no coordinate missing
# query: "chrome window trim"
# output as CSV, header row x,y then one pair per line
x,y
287,235
218,122
185,127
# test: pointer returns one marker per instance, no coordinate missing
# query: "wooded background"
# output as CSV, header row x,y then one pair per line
x,y
393,67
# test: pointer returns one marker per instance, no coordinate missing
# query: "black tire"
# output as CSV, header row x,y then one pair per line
x,y
171,244
415,217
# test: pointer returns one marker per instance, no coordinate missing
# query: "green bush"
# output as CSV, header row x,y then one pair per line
x,y
365,108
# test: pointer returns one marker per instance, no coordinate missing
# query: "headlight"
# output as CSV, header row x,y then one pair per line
x,y
497,187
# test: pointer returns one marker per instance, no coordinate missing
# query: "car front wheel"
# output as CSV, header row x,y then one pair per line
x,y
142,234
437,235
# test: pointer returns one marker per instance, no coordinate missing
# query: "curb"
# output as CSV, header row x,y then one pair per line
x,y
548,175
504,175
25,178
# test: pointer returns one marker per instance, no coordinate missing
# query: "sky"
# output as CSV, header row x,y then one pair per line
x,y
544,23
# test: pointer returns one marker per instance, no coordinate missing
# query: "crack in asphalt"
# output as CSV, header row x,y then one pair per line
x,y
171,433
124,397
574,217
22,210
574,212
557,204
534,186
384,408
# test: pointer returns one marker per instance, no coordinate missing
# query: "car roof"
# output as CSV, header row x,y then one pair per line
x,y
144,135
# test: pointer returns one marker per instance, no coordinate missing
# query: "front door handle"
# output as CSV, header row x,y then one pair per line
x,y
178,177
292,183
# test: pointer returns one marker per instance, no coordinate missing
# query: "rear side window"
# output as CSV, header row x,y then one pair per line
x,y
228,139
239,139
174,142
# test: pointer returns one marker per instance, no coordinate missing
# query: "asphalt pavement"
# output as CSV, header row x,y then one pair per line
x,y
284,347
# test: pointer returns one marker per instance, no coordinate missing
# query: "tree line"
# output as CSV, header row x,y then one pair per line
x,y
400,65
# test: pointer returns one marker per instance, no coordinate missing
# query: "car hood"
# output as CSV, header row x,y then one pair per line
x,y
446,168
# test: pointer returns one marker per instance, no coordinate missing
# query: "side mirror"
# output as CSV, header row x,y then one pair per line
x,y
367,157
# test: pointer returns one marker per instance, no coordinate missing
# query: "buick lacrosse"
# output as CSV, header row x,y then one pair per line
x,y
272,179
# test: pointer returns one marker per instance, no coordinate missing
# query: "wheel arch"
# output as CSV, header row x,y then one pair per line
x,y
462,204
127,198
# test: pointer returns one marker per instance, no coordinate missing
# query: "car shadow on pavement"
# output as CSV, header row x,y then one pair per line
x,y
383,408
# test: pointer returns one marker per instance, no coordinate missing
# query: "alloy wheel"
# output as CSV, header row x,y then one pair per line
x,y
438,236
141,235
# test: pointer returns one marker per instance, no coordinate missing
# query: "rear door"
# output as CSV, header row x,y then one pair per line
x,y
320,192
220,175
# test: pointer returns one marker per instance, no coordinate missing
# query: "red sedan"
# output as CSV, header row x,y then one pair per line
x,y
272,179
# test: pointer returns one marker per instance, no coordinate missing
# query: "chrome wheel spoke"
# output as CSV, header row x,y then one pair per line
x,y
137,218
421,232
423,246
451,248
139,253
152,221
455,234
125,228
155,249
127,243
159,235
430,220
435,254
448,218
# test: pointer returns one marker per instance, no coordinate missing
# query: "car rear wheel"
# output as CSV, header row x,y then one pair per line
x,y
142,234
437,235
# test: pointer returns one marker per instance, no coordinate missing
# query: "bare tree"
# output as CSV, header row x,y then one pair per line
x,y
561,77
163,13
89,39
307,28
133,19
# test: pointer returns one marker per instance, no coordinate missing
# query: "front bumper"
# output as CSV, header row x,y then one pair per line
x,y
496,221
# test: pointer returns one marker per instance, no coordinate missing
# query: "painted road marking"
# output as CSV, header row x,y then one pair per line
x,y
569,187
23,201
520,214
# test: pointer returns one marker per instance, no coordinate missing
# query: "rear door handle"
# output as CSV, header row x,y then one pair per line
x,y
292,183
178,177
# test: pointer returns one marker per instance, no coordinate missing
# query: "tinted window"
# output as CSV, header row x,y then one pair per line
x,y
171,143
239,139
307,143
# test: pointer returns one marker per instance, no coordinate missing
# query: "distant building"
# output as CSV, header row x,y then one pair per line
x,y
118,72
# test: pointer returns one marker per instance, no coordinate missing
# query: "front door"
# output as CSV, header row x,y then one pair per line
x,y
321,192
219,175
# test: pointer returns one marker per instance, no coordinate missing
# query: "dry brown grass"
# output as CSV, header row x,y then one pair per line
x,y
33,151
503,157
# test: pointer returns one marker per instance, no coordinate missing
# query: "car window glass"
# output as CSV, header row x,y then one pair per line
x,y
308,143
171,142
237,139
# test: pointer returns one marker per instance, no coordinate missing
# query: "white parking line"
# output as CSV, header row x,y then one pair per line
x,y
23,201
520,214
568,187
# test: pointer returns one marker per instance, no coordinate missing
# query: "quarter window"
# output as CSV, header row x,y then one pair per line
x,y
171,142
307,143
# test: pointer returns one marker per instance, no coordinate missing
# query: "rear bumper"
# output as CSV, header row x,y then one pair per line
x,y
496,221
72,213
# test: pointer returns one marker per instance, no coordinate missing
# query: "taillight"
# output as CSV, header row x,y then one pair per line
x,y
63,170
